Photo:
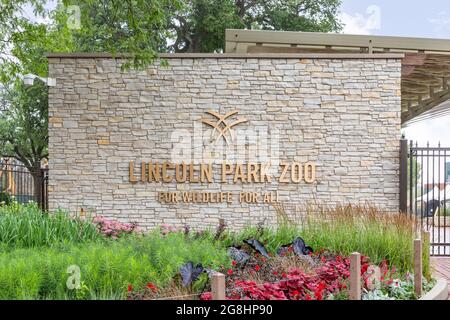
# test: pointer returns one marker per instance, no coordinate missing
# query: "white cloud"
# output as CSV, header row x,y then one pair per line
x,y
441,23
432,131
359,23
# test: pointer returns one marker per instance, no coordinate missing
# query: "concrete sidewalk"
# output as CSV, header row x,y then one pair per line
x,y
441,268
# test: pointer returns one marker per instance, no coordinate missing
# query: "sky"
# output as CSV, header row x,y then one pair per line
x,y
430,19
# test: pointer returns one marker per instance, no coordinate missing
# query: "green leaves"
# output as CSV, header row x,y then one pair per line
x,y
24,125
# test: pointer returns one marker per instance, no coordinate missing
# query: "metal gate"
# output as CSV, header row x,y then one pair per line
x,y
17,184
428,193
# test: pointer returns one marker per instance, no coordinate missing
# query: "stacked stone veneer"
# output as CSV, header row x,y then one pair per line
x,y
343,114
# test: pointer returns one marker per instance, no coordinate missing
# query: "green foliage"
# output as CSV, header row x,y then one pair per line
x,y
25,226
137,27
376,237
5,198
38,248
380,236
199,26
398,290
24,125
107,268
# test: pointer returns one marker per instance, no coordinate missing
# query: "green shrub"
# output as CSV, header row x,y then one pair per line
x,y
23,226
106,268
5,199
378,235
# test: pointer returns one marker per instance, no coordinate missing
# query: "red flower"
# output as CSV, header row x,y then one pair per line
x,y
275,273
308,297
257,268
318,295
233,263
152,287
230,272
295,293
130,288
206,296
321,286
283,275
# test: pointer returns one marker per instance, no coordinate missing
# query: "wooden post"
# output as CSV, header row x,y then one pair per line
x,y
426,245
425,236
418,267
218,286
355,276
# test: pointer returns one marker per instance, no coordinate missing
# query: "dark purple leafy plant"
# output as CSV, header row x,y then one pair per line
x,y
190,273
257,246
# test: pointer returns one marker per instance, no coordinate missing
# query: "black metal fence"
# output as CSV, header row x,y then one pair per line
x,y
428,193
19,184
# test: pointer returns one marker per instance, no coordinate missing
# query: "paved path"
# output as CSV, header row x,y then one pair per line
x,y
441,268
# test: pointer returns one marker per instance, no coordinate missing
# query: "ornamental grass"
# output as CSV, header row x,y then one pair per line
x,y
374,233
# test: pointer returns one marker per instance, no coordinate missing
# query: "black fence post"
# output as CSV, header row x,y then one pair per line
x,y
44,188
403,175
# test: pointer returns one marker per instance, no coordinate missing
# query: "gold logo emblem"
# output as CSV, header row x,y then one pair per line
x,y
221,127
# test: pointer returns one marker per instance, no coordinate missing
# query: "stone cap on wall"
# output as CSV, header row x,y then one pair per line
x,y
85,55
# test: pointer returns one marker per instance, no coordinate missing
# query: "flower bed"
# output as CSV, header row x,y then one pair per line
x,y
293,276
117,260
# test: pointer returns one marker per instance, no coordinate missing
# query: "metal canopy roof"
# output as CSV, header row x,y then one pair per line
x,y
425,68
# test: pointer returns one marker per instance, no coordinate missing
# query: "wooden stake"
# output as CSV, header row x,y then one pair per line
x,y
218,286
418,267
355,276
425,236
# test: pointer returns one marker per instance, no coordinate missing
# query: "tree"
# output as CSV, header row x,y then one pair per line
x,y
11,26
200,25
135,27
24,128
24,115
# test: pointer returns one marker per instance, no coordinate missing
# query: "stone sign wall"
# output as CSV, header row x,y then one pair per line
x,y
187,142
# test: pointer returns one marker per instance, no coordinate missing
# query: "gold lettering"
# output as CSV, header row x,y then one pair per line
x,y
252,172
284,169
239,174
181,176
132,177
143,166
186,196
192,177
296,172
165,176
206,172
226,170
154,172
265,175
310,172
